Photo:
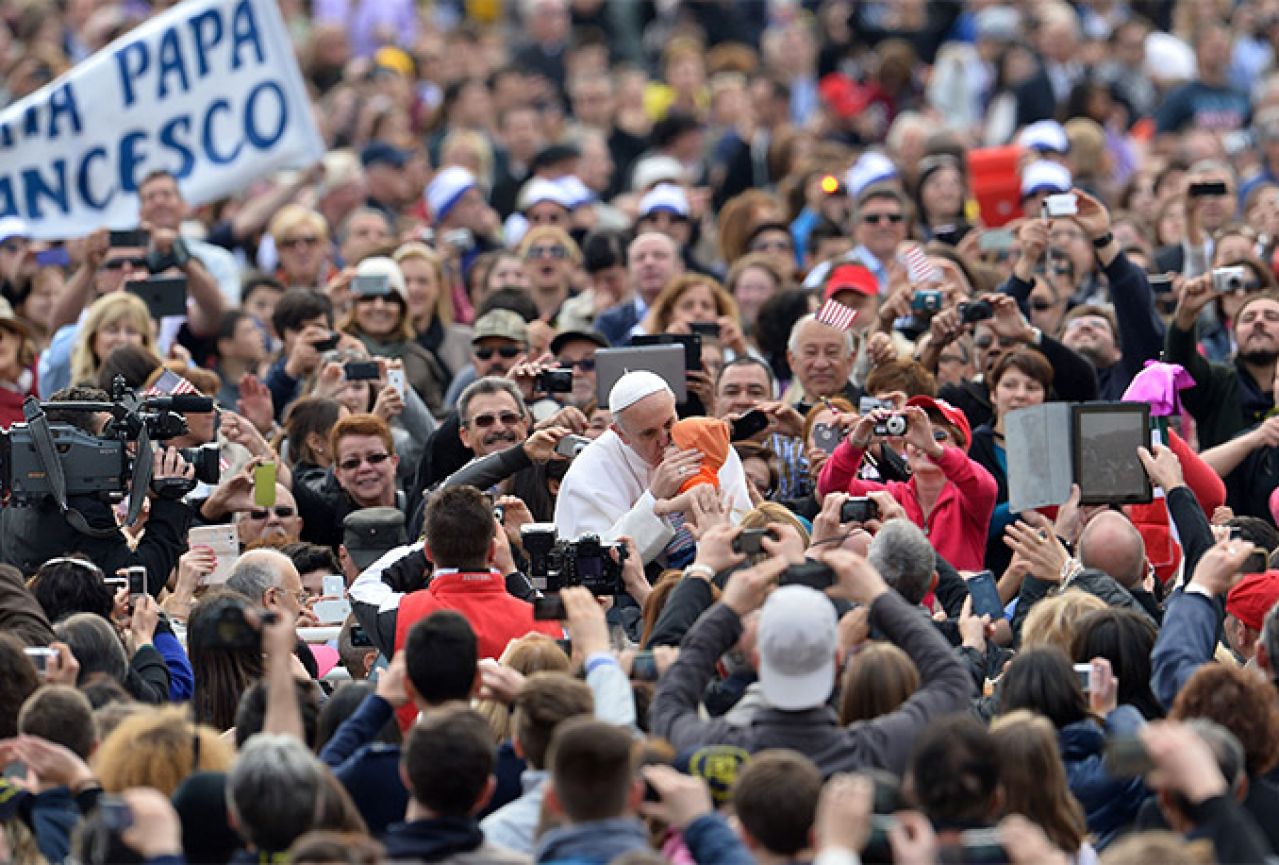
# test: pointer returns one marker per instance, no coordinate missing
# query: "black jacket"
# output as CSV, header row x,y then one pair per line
x,y
528,479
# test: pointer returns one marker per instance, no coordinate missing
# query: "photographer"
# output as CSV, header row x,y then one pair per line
x,y
33,533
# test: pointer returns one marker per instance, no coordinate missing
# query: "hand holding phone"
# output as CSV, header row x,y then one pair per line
x,y
264,485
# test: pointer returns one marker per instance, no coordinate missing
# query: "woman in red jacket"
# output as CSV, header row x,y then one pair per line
x,y
949,496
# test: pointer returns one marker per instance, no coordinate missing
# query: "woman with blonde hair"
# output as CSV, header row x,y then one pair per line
x,y
1052,621
431,307
532,653
302,245
159,749
116,319
1034,781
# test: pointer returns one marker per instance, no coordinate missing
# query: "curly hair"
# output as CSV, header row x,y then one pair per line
x,y
159,748
660,314
1242,702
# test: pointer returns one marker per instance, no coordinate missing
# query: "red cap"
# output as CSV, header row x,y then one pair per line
x,y
953,416
1252,597
845,96
851,277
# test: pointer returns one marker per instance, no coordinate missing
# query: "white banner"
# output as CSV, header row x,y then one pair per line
x,y
209,90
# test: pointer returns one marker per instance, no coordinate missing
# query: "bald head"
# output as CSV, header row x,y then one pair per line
x,y
652,261
269,578
1111,543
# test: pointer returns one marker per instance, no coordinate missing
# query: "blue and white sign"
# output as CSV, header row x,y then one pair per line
x,y
209,90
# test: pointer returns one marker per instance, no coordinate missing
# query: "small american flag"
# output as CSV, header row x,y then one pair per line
x,y
170,383
836,315
918,267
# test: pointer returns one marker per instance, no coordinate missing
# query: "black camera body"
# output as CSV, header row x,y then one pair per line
x,y
858,509
555,380
555,563
975,311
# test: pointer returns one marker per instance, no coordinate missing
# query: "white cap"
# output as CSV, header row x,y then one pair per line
x,y
1044,176
1168,59
633,387
575,191
1045,136
664,197
13,226
540,189
870,167
797,641
652,170
444,190
514,229
382,266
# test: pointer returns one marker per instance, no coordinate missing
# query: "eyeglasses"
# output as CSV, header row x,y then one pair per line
x,y
506,351
1040,305
295,242
13,247
353,463
281,511
585,364
556,252
772,245
940,435
137,262
985,342
877,218
951,358
484,421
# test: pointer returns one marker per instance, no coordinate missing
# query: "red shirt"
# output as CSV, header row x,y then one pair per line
x,y
496,616
960,519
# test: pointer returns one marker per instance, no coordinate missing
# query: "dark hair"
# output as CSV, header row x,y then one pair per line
x,y
1260,532
1028,362
517,300
230,320
221,674
459,528
348,848
546,701
135,363
825,229
1042,680
773,324
18,681
62,715
311,557
1240,701
780,823
908,376
341,705
448,760
253,281
73,585
1125,638
309,414
603,249
591,769
299,305
954,770
250,714
441,657
95,645
83,420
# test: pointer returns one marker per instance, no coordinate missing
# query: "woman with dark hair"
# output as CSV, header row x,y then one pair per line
x,y
777,316
1125,639
18,681
940,195
306,430
877,680
71,584
222,673
102,655
1043,681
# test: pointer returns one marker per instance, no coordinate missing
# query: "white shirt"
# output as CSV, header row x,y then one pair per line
x,y
605,492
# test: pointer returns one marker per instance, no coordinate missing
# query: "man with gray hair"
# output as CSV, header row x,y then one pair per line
x,y
822,358
906,560
268,578
273,793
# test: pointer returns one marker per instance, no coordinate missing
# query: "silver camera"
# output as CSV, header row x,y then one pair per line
x,y
893,425
1228,280
1065,204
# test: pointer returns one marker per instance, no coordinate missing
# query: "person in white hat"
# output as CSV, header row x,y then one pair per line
x,y
625,481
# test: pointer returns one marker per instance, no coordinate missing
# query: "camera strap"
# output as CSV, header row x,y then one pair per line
x,y
46,453
142,472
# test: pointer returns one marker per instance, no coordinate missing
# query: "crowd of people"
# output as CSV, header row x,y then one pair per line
x,y
451,586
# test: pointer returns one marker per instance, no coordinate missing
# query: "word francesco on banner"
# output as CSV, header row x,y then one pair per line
x,y
209,90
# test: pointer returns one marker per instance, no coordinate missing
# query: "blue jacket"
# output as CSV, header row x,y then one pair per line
x,y
594,843
1110,804
1185,643
181,676
617,322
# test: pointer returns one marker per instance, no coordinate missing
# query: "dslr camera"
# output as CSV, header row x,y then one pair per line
x,y
555,563
893,425
1228,280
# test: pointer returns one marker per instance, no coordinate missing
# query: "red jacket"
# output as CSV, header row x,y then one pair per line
x,y
496,616
960,519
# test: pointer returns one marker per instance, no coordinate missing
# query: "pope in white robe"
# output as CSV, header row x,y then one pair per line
x,y
614,484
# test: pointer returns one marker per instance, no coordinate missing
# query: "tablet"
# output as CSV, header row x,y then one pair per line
x,y
692,343
665,360
1106,436
163,295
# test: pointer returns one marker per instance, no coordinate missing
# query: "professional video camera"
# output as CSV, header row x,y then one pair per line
x,y
40,459
555,563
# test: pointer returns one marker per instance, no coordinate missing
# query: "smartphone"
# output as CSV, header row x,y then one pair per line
x,y
264,485
131,237
42,659
372,285
461,239
549,608
750,541
644,667
985,595
1206,188
164,295
1065,204
748,425
815,575
1160,283
1126,757
137,577
705,328
996,240
361,370
115,813
1083,675
826,437
55,257
395,378
329,343
334,586
555,380
571,445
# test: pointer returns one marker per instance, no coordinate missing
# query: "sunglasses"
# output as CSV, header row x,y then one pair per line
x,y
1041,305
119,263
295,242
484,421
586,364
353,463
877,218
12,247
556,252
506,351
281,511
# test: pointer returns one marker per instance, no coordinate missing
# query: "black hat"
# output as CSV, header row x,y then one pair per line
x,y
553,153
567,336
371,532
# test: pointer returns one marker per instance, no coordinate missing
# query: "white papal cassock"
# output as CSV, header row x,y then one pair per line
x,y
606,493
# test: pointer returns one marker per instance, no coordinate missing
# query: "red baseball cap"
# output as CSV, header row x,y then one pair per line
x,y
953,416
850,277
1252,597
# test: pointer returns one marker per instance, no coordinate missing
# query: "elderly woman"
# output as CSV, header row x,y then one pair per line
x,y
302,244
379,318
431,307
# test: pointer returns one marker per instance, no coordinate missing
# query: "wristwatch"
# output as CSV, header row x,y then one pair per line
x,y
1103,241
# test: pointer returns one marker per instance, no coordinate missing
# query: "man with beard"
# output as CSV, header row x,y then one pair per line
x,y
1227,397
270,527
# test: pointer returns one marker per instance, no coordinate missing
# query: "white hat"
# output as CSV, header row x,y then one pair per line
x,y
1044,176
633,387
1168,59
575,191
380,265
870,167
664,197
797,641
514,229
13,226
446,188
652,170
540,189
1045,136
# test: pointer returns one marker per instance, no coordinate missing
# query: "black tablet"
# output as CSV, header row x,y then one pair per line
x,y
1105,438
163,295
692,343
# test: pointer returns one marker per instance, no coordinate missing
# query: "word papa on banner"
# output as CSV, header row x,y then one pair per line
x,y
210,90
